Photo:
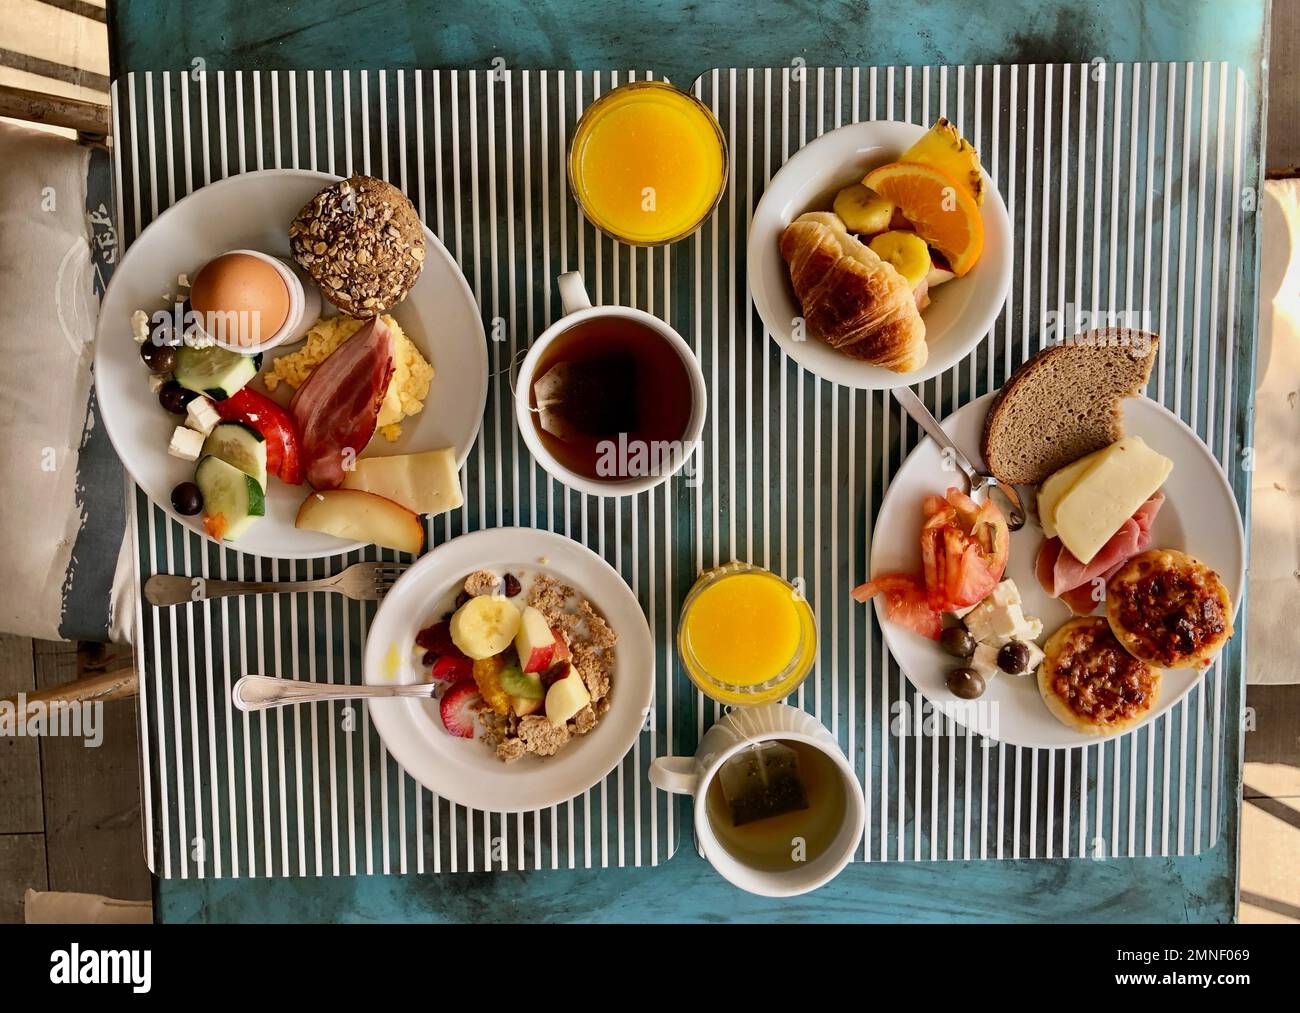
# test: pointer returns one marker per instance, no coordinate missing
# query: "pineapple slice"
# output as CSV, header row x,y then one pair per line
x,y
944,149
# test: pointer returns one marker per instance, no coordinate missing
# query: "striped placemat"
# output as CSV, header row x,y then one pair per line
x,y
311,790
1132,193
1131,188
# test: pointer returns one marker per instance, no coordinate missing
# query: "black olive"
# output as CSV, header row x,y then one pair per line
x,y
512,585
186,499
957,641
159,357
1013,658
966,683
175,398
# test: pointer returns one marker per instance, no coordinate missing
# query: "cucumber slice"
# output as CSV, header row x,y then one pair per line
x,y
216,372
239,444
231,500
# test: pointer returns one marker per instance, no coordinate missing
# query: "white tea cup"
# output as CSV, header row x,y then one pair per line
x,y
742,728
578,309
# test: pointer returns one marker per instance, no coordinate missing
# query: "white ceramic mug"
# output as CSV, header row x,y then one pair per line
x,y
743,727
578,308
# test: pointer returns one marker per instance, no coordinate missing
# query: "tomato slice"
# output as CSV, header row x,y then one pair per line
x,y
283,456
907,602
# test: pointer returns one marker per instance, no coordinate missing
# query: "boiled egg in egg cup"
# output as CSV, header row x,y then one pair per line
x,y
248,301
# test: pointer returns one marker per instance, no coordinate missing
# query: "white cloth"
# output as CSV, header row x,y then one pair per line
x,y
48,310
56,908
1273,647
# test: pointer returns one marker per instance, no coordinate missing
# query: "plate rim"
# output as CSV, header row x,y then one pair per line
x,y
101,324
1167,704
754,255
372,657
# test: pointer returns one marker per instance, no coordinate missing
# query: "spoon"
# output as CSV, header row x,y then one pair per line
x,y
260,692
976,480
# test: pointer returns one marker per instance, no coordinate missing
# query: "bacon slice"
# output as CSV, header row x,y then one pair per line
x,y
1064,577
337,407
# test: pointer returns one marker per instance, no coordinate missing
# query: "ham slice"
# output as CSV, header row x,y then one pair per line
x,y
337,407
1064,576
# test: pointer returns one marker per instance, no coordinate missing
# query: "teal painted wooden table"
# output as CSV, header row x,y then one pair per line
x,y
680,39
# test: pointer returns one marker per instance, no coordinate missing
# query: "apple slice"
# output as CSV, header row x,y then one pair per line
x,y
535,643
562,652
524,706
361,517
566,697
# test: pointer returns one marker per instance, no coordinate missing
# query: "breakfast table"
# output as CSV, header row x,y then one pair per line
x,y
680,40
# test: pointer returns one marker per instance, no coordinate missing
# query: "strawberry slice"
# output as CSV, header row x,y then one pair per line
x,y
448,668
457,707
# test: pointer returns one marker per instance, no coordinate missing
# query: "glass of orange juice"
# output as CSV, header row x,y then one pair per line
x,y
745,635
648,163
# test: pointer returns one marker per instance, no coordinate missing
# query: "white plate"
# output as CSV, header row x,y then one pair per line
x,y
465,770
1199,517
960,313
253,211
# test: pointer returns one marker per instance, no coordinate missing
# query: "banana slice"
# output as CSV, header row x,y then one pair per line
x,y
906,251
485,625
863,211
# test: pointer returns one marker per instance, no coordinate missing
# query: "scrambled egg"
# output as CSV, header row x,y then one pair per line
x,y
406,392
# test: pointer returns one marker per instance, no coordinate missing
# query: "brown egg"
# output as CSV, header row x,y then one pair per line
x,y
241,299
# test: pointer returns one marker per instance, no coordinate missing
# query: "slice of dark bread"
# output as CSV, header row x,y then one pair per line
x,y
1065,402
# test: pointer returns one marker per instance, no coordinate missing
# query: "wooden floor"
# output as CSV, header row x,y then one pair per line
x,y
69,814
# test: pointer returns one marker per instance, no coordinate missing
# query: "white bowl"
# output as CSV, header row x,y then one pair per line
x,y
960,313
466,771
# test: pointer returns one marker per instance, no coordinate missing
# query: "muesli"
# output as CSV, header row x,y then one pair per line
x,y
526,661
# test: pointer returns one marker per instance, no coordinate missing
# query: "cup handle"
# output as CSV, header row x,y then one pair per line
x,y
573,293
675,774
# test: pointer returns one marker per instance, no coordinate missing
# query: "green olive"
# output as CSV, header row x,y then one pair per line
x,y
966,683
957,641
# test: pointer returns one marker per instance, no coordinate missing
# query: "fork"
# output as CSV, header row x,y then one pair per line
x,y
360,582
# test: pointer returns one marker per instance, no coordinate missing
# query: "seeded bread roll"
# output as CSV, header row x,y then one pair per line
x,y
1064,403
362,242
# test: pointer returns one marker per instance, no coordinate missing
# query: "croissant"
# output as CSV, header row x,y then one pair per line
x,y
851,299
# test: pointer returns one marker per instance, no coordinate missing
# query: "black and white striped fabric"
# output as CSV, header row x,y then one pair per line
x,y
1129,186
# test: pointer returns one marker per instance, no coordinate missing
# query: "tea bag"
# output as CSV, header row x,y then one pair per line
x,y
595,397
762,781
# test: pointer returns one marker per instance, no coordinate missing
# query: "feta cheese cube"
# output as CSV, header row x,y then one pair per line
x,y
1032,631
985,661
186,444
1006,593
156,381
140,326
1004,624
201,416
978,621
1036,657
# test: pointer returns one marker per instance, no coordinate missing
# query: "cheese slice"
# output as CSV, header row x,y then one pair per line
x,y
1122,478
426,483
1057,485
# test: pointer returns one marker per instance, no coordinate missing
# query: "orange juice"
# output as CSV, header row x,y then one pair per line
x,y
746,636
648,163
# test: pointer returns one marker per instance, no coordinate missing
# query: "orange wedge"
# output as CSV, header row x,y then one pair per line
x,y
942,211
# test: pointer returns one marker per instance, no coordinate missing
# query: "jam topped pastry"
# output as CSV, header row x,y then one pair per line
x,y
1092,684
1169,608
